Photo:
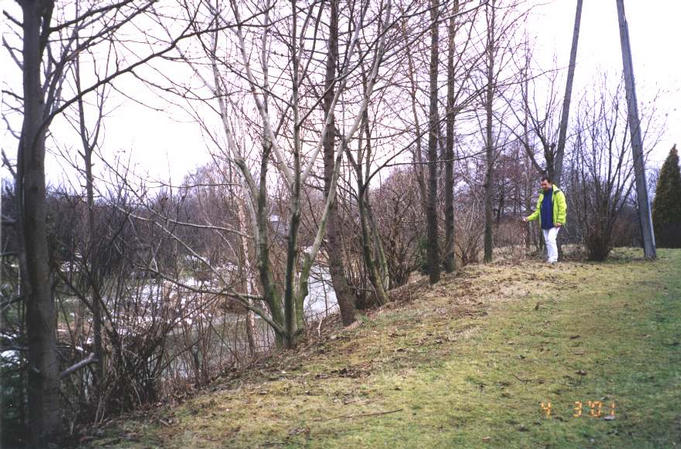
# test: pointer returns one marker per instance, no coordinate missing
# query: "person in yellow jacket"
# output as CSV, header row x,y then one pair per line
x,y
552,210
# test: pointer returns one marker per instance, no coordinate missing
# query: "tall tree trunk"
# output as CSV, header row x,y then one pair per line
x,y
43,368
372,270
290,299
449,259
433,244
261,245
528,204
93,271
489,144
381,261
269,291
344,295
248,282
644,213
528,161
370,238
562,133
418,151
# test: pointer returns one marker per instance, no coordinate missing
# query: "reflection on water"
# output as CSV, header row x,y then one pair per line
x,y
203,342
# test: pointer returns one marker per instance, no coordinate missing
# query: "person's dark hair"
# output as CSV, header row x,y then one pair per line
x,y
545,178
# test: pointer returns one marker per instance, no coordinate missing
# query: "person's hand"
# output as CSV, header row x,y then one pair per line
x,y
557,225
525,219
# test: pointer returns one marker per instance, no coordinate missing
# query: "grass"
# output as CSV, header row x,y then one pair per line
x,y
465,364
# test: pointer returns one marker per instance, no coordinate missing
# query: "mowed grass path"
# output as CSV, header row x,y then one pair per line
x,y
465,364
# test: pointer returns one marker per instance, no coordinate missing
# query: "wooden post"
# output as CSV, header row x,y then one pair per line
x,y
636,144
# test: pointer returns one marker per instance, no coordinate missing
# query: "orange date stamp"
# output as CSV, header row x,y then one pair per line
x,y
590,409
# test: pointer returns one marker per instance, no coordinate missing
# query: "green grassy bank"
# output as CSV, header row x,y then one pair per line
x,y
464,364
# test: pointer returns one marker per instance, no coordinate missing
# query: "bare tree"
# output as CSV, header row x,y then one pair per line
x,y
43,371
501,23
283,120
449,257
48,51
601,169
490,150
333,233
433,123
372,248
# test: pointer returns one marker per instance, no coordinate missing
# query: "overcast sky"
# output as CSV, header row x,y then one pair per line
x,y
166,144
653,31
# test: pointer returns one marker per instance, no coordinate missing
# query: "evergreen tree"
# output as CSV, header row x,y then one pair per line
x,y
667,203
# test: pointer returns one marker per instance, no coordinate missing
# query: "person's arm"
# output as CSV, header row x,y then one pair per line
x,y
533,216
562,208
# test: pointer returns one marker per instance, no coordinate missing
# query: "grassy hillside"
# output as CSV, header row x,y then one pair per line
x,y
464,364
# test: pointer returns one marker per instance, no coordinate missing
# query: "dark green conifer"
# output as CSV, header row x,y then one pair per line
x,y
667,203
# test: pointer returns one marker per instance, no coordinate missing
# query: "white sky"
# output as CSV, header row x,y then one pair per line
x,y
167,145
653,26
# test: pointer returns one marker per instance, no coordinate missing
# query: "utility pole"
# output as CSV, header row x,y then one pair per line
x,y
636,144
562,132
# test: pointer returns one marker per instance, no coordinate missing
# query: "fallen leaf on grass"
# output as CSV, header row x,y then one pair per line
x,y
299,430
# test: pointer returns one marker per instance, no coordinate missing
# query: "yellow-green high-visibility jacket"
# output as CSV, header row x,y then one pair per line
x,y
559,206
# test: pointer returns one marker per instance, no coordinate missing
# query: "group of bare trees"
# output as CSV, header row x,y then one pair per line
x,y
362,139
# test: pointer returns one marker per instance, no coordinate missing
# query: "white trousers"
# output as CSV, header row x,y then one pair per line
x,y
550,236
